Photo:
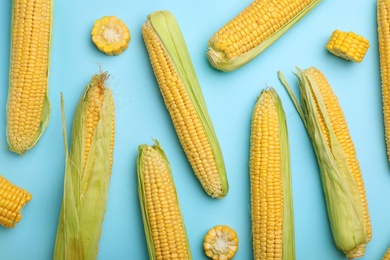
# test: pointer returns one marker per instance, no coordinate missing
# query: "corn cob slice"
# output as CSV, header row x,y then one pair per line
x,y
387,255
87,173
221,243
110,35
340,173
270,175
163,223
253,30
184,100
384,48
349,46
12,200
28,107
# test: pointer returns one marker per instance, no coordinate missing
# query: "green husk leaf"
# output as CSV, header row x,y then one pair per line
x,y
45,117
85,191
142,195
168,31
217,57
341,193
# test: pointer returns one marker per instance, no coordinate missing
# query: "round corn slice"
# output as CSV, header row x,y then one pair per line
x,y
220,243
110,35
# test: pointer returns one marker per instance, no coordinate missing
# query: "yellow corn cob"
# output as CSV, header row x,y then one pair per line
x,y
184,100
110,35
12,200
87,173
384,49
387,255
349,46
270,175
341,176
163,223
220,242
253,30
28,107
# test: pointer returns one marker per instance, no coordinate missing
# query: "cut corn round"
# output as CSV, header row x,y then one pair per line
x,y
220,243
111,35
349,46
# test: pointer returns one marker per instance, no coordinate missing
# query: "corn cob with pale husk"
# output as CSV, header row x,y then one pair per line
x,y
270,177
384,48
340,173
183,98
163,223
87,173
387,255
12,200
28,107
253,30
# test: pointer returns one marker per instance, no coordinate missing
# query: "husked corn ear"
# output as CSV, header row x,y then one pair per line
x,y
183,98
12,200
220,242
270,177
348,45
28,107
341,177
387,255
384,48
163,223
253,30
87,173
110,35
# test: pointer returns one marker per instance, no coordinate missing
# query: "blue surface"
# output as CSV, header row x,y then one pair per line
x,y
141,115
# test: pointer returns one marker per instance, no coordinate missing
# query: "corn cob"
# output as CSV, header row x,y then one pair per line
x,y
340,173
270,176
349,46
387,255
184,100
384,49
87,173
12,200
220,242
28,108
110,35
163,223
253,30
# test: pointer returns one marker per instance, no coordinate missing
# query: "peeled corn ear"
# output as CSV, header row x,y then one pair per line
x,y
253,30
340,173
87,173
270,177
165,232
183,98
28,107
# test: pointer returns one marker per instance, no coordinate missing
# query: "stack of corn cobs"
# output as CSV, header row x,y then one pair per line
x,y
89,157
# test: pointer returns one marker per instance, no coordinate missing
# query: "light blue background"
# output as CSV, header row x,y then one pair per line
x,y
141,115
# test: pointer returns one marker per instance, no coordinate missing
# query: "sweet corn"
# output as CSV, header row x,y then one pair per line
x,y
12,200
384,49
28,107
349,46
163,223
253,30
111,35
340,172
183,98
220,242
387,255
87,173
270,176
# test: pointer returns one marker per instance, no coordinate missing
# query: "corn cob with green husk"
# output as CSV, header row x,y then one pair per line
x,y
387,255
28,107
340,173
183,98
253,30
163,223
87,173
270,176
